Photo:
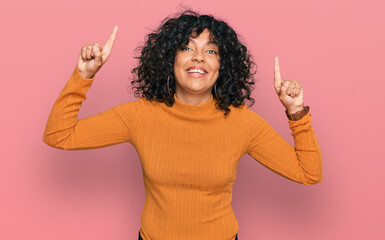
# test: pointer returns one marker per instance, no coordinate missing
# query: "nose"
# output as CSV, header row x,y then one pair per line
x,y
198,57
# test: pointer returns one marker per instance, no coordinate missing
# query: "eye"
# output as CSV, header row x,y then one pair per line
x,y
187,48
212,51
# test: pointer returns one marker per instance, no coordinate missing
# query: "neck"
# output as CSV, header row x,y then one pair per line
x,y
192,99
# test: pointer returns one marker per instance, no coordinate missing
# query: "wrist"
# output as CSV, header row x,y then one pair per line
x,y
295,116
294,110
83,75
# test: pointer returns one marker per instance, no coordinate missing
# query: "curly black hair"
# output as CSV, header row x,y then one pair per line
x,y
156,61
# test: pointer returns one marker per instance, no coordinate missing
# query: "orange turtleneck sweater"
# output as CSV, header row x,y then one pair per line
x,y
189,156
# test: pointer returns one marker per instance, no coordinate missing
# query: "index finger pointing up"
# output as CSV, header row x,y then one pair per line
x,y
277,73
112,38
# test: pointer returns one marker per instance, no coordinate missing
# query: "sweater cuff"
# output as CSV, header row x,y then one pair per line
x,y
305,120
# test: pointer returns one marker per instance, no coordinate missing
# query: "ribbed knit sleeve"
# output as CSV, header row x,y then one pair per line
x,y
65,131
302,163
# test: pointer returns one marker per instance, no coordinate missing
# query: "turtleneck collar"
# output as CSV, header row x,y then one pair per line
x,y
202,108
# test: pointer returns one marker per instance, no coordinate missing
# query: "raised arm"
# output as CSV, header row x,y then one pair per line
x,y
302,163
65,131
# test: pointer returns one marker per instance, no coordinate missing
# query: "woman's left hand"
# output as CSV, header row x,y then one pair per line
x,y
290,92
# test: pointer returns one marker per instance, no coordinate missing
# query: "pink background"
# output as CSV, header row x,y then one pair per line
x,y
334,48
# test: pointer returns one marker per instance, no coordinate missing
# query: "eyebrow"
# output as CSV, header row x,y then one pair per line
x,y
207,43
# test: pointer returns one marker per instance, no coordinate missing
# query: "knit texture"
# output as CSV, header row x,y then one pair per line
x,y
189,156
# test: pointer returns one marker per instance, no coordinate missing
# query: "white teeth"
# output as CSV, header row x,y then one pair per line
x,y
196,71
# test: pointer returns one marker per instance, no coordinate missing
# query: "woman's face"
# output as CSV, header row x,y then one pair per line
x,y
196,67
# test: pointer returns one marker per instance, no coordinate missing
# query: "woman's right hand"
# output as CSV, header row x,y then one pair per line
x,y
92,57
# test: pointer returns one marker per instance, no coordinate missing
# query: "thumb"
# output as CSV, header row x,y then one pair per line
x,y
98,55
284,86
277,88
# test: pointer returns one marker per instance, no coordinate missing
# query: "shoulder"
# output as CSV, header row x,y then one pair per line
x,y
248,113
141,102
136,107
252,119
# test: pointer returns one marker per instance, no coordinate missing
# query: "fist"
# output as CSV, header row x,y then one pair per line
x,y
290,92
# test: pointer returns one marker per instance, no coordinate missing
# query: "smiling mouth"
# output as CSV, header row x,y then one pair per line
x,y
196,73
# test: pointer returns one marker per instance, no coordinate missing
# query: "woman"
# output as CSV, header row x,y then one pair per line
x,y
190,126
